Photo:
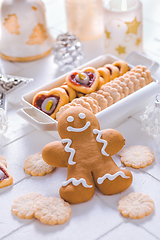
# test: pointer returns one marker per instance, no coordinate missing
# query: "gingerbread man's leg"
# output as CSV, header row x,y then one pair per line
x,y
79,186
110,179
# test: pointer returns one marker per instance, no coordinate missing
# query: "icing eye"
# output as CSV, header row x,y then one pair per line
x,y
70,119
82,115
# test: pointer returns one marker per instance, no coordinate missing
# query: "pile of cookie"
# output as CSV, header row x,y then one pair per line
x,y
78,84
53,210
94,89
50,210
112,91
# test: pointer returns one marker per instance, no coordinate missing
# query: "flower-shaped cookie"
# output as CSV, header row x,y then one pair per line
x,y
36,166
84,81
23,206
136,205
52,210
137,156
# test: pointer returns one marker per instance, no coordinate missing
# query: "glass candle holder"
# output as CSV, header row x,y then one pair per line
x,y
85,18
24,35
123,27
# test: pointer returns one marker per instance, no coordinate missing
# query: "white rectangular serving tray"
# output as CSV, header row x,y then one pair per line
x,y
109,117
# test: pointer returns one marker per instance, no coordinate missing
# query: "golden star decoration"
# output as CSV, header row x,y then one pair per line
x,y
121,49
138,41
107,34
133,26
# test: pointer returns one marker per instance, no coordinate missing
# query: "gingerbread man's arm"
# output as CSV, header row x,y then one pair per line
x,y
114,139
55,155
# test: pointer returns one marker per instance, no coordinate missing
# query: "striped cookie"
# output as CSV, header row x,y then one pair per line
x,y
129,83
102,102
123,85
107,96
93,103
112,91
113,84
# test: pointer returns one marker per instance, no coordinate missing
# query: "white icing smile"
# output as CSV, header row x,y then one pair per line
x,y
72,129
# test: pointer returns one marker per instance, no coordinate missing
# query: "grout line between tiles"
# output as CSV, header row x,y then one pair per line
x,y
15,184
109,231
19,138
15,230
147,231
150,175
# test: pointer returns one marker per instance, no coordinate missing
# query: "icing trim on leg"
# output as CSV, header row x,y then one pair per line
x,y
98,139
100,180
76,182
70,150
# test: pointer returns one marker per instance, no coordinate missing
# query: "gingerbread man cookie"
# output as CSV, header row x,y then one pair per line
x,y
86,152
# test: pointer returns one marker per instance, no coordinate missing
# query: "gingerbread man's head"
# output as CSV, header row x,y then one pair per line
x,y
77,122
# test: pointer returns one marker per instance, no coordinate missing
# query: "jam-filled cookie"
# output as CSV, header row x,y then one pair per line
x,y
114,71
84,81
70,91
50,101
5,177
104,76
122,66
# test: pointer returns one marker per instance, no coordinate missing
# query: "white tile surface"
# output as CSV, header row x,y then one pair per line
x,y
20,149
99,218
148,185
17,126
88,221
127,231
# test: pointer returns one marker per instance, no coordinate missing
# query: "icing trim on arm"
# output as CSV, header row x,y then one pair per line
x,y
76,182
72,129
98,139
110,177
70,150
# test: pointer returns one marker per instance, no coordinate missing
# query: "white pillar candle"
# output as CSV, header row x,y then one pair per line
x,y
123,27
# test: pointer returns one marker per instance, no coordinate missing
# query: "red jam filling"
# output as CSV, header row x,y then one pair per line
x,y
40,99
110,70
91,76
3,174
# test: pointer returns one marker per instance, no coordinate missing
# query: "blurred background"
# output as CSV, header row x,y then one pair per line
x,y
57,23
